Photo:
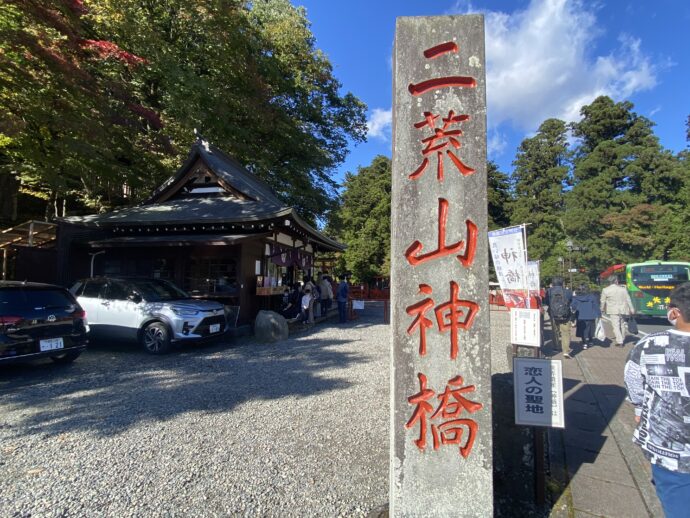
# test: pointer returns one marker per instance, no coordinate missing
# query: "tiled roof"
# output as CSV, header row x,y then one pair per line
x,y
260,204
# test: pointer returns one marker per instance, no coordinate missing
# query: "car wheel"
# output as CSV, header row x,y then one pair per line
x,y
68,357
156,338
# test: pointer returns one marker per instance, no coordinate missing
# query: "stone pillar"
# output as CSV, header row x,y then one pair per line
x,y
441,453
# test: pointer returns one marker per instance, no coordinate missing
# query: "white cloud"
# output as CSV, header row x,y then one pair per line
x,y
539,63
379,124
496,144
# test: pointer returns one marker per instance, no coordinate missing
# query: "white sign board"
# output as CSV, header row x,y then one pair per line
x,y
510,257
538,392
525,327
357,304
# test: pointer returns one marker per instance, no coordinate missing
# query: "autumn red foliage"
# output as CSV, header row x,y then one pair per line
x,y
108,49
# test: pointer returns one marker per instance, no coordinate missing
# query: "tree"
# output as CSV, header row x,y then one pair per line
x,y
364,217
101,95
249,77
540,179
624,185
498,195
64,99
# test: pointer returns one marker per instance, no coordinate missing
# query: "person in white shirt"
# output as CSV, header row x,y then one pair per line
x,y
616,305
305,306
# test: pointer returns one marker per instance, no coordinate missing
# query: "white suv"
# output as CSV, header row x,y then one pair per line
x,y
153,311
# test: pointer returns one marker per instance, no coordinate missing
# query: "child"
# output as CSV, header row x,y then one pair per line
x,y
304,308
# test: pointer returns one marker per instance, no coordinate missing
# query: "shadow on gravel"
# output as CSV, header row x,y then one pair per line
x,y
115,386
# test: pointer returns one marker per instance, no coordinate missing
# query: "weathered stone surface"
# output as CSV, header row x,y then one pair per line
x,y
269,326
429,480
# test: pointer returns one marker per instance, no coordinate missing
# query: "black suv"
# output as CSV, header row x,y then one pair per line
x,y
38,320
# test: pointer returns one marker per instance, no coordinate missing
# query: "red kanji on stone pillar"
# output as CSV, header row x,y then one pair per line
x,y
452,430
442,249
432,144
441,82
418,310
455,314
421,399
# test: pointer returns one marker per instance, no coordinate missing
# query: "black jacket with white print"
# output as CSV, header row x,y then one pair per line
x,y
657,376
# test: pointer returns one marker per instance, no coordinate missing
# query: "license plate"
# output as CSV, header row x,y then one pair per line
x,y
51,344
214,328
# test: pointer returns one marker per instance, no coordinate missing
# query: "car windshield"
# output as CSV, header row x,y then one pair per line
x,y
156,290
21,300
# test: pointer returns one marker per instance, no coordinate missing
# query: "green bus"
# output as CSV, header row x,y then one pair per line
x,y
650,283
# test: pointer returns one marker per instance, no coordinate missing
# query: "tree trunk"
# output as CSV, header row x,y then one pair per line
x,y
9,187
50,206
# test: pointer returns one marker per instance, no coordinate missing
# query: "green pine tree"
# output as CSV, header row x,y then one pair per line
x,y
539,180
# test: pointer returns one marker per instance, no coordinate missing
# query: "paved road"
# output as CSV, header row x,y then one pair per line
x,y
651,325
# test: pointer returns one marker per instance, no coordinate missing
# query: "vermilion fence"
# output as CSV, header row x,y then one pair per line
x,y
361,292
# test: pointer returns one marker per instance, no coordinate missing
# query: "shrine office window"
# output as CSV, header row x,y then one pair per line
x,y
212,275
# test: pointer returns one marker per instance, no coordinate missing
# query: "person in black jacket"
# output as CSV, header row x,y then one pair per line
x,y
290,306
559,299
586,309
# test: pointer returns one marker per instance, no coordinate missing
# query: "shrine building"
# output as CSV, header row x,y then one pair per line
x,y
214,229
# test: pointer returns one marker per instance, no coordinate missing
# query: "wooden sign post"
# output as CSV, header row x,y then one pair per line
x,y
441,452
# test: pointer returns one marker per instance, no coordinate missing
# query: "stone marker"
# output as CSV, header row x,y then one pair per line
x,y
441,452
270,326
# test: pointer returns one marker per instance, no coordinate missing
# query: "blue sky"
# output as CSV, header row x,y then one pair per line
x,y
545,58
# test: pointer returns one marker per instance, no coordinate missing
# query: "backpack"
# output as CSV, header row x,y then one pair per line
x,y
558,305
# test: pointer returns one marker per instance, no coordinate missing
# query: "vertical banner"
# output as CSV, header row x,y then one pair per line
x,y
441,452
533,277
509,254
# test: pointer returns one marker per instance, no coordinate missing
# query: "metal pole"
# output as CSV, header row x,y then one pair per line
x,y
4,264
525,268
93,258
539,475
540,479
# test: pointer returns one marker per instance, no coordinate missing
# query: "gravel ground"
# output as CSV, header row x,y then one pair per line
x,y
298,428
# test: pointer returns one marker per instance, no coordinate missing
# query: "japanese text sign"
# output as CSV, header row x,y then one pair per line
x,y
509,254
538,392
441,386
525,327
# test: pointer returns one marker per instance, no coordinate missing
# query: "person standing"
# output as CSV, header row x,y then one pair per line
x,y
657,377
586,309
309,285
305,307
559,299
616,305
341,297
326,294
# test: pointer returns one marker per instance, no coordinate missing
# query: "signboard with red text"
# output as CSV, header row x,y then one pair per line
x,y
441,452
